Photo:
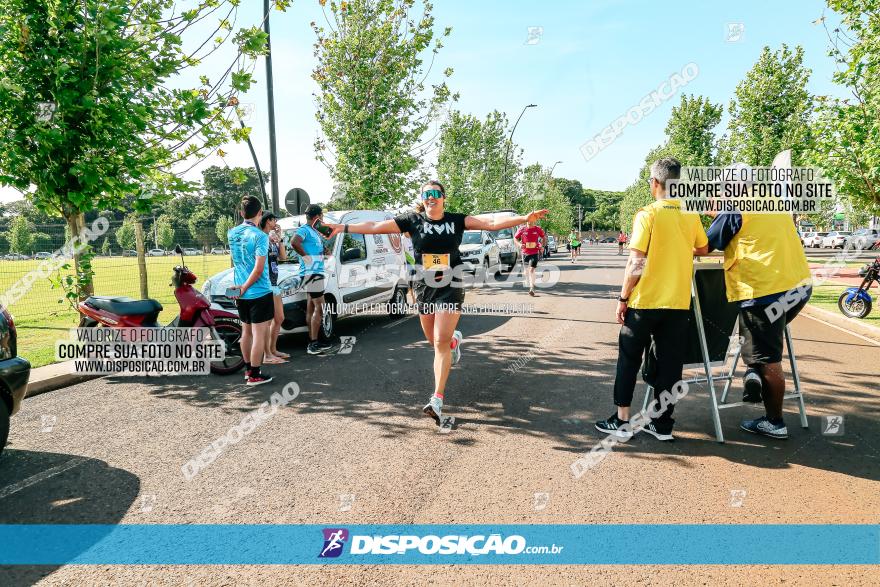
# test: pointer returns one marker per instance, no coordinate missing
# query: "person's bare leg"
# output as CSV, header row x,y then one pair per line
x,y
444,328
276,328
310,310
773,389
427,323
317,315
246,341
261,333
623,412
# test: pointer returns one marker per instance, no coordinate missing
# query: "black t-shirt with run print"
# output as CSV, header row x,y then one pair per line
x,y
435,242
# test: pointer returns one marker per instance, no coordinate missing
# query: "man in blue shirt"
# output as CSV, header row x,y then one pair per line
x,y
249,247
310,245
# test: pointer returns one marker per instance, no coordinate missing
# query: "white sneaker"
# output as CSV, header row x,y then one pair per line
x,y
456,346
434,409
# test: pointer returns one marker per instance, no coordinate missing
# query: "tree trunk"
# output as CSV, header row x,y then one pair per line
x,y
142,262
76,222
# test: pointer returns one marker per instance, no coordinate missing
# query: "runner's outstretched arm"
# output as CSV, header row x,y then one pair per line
x,y
383,227
483,223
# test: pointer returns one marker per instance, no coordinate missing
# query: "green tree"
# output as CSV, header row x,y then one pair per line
x,y
105,247
20,235
91,110
606,213
847,130
470,162
538,191
164,233
224,187
224,225
202,229
125,234
690,131
770,111
372,103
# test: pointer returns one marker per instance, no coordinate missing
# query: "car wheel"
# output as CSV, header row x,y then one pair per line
x,y
328,319
4,424
397,306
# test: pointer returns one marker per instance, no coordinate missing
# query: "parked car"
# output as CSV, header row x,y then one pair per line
x,y
14,374
16,257
365,270
835,239
129,253
504,237
478,249
552,244
190,252
814,239
806,237
219,251
155,253
41,256
608,239
864,238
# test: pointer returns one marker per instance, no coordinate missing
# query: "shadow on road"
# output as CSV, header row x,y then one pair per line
x,y
53,488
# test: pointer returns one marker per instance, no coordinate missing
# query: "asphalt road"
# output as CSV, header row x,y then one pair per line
x,y
354,448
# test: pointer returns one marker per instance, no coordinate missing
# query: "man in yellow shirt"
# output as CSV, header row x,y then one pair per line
x,y
655,300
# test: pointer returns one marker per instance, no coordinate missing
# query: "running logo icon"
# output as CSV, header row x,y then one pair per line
x,y
334,540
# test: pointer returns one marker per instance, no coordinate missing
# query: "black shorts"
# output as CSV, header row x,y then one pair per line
x,y
430,300
532,260
762,337
256,310
576,247
314,285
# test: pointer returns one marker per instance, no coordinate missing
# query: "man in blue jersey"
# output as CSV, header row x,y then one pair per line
x,y
253,296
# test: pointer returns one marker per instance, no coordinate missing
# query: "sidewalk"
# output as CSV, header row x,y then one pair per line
x,y
54,376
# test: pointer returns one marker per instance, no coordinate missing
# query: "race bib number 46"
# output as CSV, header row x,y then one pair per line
x,y
435,262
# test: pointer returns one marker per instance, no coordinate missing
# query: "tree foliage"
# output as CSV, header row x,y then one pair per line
x,y
373,106
224,187
771,110
20,235
847,130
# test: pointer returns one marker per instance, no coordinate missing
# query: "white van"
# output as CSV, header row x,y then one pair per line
x,y
504,238
362,271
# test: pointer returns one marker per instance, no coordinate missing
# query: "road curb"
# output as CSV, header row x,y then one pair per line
x,y
848,324
53,377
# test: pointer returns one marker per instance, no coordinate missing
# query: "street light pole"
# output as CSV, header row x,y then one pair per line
x,y
270,94
554,167
510,141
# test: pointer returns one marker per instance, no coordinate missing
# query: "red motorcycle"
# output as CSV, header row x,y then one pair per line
x,y
195,312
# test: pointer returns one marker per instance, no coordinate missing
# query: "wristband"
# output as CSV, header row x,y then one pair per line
x,y
621,299
345,229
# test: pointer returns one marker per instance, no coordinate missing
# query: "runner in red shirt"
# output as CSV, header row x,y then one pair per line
x,y
531,239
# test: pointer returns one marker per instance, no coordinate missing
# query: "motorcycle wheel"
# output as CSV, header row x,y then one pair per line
x,y
857,308
230,332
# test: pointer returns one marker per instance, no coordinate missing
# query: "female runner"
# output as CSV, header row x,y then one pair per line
x,y
436,236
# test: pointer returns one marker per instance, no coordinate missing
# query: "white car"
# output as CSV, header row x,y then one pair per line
x,y
835,239
863,238
814,239
504,237
552,244
219,251
192,252
362,272
479,250
155,253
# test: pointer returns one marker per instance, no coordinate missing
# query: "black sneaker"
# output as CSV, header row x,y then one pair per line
x,y
613,425
318,347
659,431
752,387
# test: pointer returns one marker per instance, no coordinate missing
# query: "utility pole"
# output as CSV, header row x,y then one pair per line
x,y
580,214
270,94
510,142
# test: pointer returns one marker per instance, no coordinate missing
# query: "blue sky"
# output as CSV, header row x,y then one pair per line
x,y
593,62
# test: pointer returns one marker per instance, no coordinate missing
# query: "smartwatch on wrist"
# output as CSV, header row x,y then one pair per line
x,y
345,229
621,299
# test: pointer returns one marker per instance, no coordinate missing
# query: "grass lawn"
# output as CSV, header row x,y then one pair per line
x,y
41,320
825,297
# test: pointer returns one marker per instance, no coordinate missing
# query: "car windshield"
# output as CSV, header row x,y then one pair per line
x,y
471,237
503,233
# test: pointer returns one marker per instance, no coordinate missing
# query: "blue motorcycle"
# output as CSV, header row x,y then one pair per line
x,y
856,302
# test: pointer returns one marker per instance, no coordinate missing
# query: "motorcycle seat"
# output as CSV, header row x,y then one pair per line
x,y
124,306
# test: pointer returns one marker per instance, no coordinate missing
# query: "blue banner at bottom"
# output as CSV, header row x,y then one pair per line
x,y
154,544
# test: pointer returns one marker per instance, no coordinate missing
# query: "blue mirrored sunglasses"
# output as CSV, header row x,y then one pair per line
x,y
436,194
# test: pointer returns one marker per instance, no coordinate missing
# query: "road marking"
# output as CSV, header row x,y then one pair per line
x,y
850,332
47,474
399,321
